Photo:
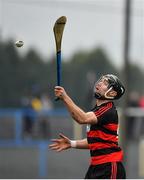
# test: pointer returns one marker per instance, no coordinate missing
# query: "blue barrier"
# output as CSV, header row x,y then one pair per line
x,y
43,148
42,145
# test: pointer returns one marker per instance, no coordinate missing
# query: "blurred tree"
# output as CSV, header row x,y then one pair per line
x,y
31,74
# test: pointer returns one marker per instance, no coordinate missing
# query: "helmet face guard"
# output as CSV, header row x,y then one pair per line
x,y
113,83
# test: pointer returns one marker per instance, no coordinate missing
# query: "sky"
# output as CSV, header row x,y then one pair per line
x,y
90,24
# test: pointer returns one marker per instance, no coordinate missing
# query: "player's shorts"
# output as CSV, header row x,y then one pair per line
x,y
111,170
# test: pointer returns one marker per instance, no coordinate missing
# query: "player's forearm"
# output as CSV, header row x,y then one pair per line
x,y
80,144
77,114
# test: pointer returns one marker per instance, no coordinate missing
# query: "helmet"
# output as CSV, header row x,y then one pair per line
x,y
115,84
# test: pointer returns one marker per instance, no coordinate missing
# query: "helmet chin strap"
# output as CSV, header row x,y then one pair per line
x,y
105,96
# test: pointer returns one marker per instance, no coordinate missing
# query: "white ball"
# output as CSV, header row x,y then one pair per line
x,y
19,43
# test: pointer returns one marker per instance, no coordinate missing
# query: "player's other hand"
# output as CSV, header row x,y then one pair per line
x,y
60,92
60,144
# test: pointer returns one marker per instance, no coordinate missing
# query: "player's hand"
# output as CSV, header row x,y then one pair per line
x,y
60,92
60,144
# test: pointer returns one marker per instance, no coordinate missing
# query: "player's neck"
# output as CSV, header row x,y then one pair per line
x,y
99,102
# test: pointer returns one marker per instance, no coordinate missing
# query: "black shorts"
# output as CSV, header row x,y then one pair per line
x,y
111,170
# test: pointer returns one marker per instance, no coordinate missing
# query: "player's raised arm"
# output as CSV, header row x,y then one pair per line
x,y
76,112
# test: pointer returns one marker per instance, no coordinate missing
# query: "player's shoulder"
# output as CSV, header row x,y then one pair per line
x,y
108,107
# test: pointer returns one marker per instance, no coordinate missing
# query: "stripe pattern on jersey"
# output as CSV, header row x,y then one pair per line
x,y
103,109
113,170
103,138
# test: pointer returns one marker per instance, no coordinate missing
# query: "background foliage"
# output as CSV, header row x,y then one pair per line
x,y
20,76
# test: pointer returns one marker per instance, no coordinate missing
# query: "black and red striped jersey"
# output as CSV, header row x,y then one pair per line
x,y
103,137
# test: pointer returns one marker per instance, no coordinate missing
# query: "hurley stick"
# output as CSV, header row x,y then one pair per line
x,y
58,33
